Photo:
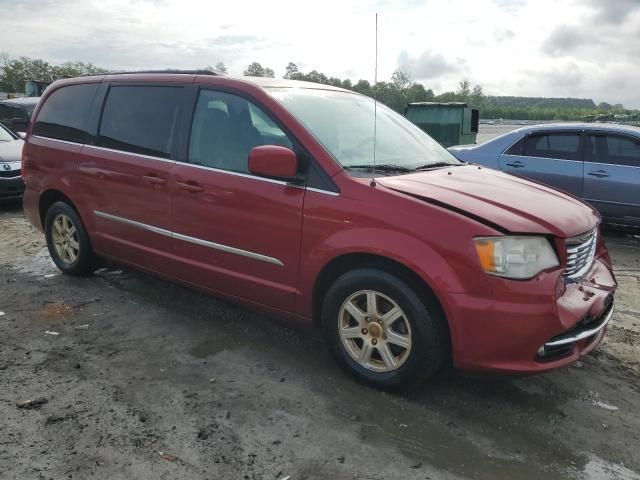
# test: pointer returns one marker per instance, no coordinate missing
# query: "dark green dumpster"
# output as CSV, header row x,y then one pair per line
x,y
452,123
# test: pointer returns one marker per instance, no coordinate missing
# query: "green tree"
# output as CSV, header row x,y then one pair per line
x,y
76,69
257,70
221,67
477,96
14,72
401,79
417,93
291,71
464,89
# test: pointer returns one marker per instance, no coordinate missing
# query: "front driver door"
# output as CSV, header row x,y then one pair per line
x,y
236,233
554,159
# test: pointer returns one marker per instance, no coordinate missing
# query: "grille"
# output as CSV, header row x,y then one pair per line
x,y
581,251
9,174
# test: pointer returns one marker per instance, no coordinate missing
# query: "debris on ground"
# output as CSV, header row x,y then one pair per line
x,y
82,303
107,271
1,314
212,380
51,332
57,310
167,456
606,406
32,404
82,327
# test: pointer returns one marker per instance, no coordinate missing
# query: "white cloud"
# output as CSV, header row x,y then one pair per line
x,y
579,48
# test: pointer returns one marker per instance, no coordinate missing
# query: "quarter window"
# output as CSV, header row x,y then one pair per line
x,y
65,113
517,148
564,146
225,129
141,119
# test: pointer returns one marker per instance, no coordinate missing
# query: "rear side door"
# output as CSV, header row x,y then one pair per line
x,y
552,158
236,233
612,176
124,173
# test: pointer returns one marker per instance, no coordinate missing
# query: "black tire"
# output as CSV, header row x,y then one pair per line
x,y
84,262
428,331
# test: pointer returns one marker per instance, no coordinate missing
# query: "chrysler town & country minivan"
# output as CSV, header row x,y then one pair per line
x,y
263,191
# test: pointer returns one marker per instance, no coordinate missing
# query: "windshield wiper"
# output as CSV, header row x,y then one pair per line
x,y
385,167
430,166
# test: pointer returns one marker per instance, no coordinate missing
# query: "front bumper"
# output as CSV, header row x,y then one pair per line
x,y
531,326
11,188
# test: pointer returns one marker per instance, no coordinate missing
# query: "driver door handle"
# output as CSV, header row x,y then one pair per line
x,y
598,173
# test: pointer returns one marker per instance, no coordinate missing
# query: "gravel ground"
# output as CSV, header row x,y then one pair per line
x,y
149,380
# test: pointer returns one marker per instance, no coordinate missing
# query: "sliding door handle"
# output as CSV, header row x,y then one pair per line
x,y
189,186
154,179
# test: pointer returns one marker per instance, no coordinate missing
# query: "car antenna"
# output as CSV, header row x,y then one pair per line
x,y
375,110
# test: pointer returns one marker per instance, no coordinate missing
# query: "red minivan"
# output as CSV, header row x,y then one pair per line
x,y
263,191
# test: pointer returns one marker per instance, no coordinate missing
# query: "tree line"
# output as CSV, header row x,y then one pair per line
x,y
396,93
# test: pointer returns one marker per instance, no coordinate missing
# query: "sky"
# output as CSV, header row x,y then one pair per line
x,y
551,48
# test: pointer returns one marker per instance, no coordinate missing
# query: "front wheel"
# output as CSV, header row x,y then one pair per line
x,y
67,240
382,331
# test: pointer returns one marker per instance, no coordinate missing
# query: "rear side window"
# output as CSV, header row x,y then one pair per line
x,y
613,149
65,113
564,146
141,119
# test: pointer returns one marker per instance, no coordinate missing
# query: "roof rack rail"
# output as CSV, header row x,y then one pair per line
x,y
169,71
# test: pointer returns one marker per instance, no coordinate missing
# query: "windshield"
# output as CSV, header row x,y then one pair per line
x,y
343,123
4,135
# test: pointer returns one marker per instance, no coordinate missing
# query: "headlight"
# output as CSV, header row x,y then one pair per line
x,y
515,257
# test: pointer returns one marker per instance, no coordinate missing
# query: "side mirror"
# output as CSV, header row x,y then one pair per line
x,y
22,135
273,161
19,124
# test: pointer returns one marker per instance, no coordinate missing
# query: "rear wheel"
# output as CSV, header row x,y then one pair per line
x,y
382,331
67,240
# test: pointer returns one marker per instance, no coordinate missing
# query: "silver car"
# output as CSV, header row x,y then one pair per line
x,y
599,163
11,183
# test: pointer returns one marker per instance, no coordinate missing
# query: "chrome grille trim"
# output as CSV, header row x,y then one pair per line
x,y
581,251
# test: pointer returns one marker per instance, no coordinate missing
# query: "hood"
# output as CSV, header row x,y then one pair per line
x,y
11,152
513,204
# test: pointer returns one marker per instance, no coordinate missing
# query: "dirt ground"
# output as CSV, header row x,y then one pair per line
x,y
148,380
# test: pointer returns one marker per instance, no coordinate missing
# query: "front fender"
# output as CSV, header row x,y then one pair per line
x,y
444,271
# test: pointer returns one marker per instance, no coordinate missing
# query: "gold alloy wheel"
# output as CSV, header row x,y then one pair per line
x,y
375,331
64,236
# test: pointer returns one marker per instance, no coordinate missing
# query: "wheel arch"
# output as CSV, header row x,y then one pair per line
x,y
48,198
350,261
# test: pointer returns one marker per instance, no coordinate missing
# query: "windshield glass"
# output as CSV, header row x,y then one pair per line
x,y
343,123
4,135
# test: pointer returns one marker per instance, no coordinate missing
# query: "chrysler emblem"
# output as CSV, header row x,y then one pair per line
x,y
6,166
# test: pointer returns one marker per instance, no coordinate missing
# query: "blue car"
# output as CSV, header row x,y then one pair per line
x,y
599,163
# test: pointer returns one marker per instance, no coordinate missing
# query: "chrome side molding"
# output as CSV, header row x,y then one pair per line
x,y
187,238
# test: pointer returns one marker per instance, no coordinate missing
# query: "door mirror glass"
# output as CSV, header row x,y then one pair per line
x,y
273,161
